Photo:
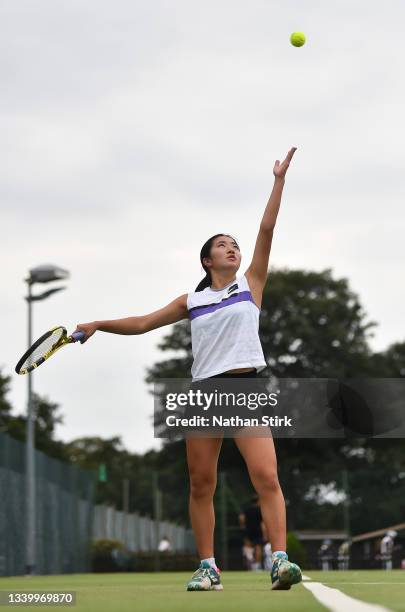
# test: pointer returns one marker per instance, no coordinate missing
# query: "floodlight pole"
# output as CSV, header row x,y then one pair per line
x,y
41,274
30,458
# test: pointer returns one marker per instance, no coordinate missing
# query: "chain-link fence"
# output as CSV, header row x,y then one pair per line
x,y
140,533
66,518
64,512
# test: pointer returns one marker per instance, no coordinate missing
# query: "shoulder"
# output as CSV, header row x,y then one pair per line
x,y
196,298
182,300
179,305
250,283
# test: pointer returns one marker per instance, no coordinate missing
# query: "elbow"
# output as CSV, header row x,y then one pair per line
x,y
141,326
135,326
267,228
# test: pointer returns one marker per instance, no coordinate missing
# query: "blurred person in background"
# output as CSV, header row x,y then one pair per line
x,y
344,555
386,548
325,554
250,520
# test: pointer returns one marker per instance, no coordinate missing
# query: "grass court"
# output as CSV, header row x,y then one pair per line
x,y
243,591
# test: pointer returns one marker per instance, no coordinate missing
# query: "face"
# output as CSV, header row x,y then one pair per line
x,y
225,254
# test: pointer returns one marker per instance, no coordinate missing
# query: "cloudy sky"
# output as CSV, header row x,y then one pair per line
x,y
132,131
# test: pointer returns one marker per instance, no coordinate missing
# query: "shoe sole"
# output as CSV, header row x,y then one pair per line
x,y
213,587
279,586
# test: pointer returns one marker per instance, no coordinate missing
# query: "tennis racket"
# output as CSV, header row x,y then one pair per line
x,y
44,347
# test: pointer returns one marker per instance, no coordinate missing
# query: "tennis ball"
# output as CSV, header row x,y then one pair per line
x,y
297,39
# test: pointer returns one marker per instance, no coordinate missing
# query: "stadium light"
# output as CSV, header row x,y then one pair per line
x,y
45,294
47,273
40,274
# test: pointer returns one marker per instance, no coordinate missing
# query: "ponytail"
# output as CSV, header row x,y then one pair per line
x,y
206,282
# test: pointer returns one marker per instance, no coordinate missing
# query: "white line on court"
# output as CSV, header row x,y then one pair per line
x,y
343,583
336,601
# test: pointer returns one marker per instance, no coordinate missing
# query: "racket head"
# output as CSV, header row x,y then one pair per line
x,y
42,348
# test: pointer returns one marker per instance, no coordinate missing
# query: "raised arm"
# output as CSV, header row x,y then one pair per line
x,y
256,273
173,312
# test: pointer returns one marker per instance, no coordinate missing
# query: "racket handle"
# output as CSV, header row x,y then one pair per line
x,y
78,336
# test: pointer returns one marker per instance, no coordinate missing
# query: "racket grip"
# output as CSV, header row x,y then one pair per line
x,y
78,336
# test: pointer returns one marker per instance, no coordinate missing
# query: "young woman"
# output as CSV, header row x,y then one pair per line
x,y
226,344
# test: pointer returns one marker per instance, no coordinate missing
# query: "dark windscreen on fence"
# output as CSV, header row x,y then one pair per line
x,y
64,512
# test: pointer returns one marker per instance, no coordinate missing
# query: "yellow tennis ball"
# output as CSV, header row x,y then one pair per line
x,y
297,39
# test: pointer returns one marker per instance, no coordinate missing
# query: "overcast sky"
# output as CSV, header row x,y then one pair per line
x,y
132,131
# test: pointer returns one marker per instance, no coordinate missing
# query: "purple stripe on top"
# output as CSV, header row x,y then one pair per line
x,y
243,296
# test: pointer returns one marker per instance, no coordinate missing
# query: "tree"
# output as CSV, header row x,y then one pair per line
x,y
314,326
311,325
391,362
5,406
91,452
46,417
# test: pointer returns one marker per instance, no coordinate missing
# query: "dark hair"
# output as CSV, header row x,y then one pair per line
x,y
205,252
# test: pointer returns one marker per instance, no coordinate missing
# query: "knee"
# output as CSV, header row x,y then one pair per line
x,y
265,480
202,485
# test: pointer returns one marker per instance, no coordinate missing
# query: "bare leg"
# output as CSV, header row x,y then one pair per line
x,y
261,461
202,459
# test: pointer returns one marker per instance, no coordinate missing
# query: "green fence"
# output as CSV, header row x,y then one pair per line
x,y
140,533
64,512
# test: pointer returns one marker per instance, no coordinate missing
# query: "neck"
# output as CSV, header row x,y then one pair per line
x,y
221,279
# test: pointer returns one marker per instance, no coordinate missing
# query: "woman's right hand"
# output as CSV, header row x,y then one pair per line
x,y
88,329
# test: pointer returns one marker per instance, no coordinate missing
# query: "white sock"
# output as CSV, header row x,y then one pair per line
x,y
211,561
276,552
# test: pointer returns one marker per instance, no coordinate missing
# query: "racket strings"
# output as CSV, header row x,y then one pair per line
x,y
40,351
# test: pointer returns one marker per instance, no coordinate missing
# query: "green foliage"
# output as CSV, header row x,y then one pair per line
x,y
311,325
168,562
295,550
391,362
46,417
109,556
120,464
5,406
104,547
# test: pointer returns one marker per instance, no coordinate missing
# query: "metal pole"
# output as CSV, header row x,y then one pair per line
x,y
30,460
346,503
41,274
125,507
224,517
125,495
157,517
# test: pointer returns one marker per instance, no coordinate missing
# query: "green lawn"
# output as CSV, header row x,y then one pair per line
x,y
243,591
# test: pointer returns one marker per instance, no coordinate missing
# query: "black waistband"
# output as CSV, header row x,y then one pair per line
x,y
250,374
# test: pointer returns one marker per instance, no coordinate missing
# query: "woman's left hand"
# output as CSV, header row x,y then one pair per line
x,y
279,170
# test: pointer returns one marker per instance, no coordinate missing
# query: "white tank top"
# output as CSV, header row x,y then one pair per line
x,y
224,330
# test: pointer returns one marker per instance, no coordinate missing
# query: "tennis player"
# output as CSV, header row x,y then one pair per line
x,y
224,313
